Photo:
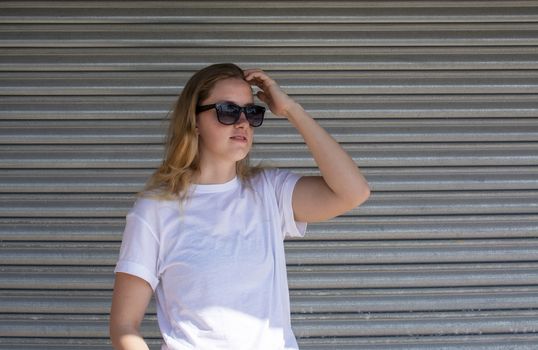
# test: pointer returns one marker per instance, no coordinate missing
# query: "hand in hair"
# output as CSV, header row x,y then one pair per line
x,y
271,94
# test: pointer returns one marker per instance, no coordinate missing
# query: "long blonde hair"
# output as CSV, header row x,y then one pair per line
x,y
181,158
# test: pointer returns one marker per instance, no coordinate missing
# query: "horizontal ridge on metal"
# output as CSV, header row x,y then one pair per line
x,y
380,179
373,228
303,301
287,12
297,252
314,325
149,156
290,59
324,83
276,131
380,203
303,277
453,342
359,107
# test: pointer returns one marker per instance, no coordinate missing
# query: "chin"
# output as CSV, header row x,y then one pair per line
x,y
237,159
240,156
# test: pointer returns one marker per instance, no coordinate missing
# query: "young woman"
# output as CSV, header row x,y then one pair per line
x,y
207,234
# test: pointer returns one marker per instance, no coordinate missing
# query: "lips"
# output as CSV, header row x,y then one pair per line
x,y
239,138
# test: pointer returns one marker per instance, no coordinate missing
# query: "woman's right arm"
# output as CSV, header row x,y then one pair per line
x,y
129,303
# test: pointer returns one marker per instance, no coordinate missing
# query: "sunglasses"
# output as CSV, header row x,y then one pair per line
x,y
228,113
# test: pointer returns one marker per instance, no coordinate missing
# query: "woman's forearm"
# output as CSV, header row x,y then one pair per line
x,y
336,167
340,173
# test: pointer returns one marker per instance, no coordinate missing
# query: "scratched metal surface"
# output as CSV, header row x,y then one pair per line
x,y
437,101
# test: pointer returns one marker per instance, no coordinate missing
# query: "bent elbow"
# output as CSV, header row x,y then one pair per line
x,y
361,196
354,199
366,193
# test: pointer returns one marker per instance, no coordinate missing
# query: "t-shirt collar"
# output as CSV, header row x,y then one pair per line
x,y
223,187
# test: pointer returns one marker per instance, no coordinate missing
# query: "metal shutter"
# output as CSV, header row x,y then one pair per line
x,y
435,100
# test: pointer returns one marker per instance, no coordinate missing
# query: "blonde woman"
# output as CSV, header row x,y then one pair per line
x,y
206,236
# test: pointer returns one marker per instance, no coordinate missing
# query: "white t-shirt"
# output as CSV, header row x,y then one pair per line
x,y
216,263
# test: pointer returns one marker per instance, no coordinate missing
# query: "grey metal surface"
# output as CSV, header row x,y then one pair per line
x,y
437,101
358,107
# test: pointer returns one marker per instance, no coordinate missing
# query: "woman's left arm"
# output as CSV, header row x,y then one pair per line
x,y
341,187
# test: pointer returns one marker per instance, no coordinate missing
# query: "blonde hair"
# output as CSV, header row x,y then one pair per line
x,y
181,157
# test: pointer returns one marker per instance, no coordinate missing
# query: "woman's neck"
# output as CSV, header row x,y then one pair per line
x,y
214,175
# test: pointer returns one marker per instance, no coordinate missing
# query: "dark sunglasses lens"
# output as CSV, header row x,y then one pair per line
x,y
228,113
254,115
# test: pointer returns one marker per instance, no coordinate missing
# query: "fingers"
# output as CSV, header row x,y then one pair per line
x,y
248,72
270,93
258,77
262,96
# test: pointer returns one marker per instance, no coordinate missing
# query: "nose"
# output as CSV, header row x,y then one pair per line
x,y
243,122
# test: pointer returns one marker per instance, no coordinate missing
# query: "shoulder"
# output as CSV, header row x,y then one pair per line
x,y
144,204
276,178
264,177
147,207
272,174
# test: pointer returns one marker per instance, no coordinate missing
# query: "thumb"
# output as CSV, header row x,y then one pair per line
x,y
262,96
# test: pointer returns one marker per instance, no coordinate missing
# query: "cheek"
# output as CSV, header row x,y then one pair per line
x,y
205,126
210,134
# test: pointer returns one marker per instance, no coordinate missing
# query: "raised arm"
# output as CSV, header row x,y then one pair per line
x,y
129,303
341,187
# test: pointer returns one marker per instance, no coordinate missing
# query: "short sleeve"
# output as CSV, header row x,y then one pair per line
x,y
284,182
139,252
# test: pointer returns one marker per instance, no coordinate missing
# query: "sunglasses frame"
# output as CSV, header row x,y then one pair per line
x,y
219,105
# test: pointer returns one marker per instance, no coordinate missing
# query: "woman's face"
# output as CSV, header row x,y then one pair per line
x,y
219,142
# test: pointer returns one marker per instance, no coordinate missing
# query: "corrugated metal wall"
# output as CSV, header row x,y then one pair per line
x,y
436,100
